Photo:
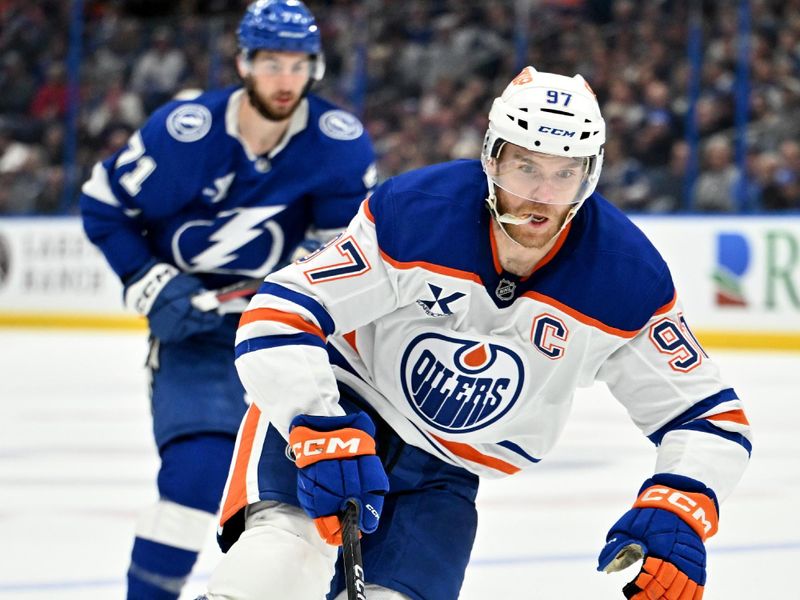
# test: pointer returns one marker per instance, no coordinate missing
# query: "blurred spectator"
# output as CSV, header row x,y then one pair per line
x,y
20,176
17,83
429,68
668,183
157,73
118,105
660,130
785,189
623,178
13,154
715,190
50,99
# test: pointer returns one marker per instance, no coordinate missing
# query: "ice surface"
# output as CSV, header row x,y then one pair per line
x,y
77,463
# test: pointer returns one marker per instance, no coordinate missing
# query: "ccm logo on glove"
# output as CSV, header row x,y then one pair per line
x,y
697,510
310,446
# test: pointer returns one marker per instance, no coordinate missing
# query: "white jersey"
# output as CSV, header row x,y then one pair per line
x,y
411,309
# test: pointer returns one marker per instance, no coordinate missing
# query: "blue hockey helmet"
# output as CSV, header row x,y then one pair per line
x,y
283,25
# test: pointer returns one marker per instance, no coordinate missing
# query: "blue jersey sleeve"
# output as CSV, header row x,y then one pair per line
x,y
151,178
345,165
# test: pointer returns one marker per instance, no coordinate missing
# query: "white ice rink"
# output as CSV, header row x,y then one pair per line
x,y
77,462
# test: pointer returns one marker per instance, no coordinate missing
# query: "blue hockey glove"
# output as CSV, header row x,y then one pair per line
x,y
163,294
667,526
336,461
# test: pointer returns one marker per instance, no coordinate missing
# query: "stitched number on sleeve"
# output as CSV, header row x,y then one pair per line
x,y
685,327
132,180
668,339
355,263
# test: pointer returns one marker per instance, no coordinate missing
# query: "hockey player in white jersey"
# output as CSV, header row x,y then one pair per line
x,y
440,339
213,191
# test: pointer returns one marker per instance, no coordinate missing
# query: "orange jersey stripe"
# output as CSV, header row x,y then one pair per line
x,y
350,338
668,306
735,416
579,316
291,319
497,267
236,498
551,254
367,211
468,452
432,267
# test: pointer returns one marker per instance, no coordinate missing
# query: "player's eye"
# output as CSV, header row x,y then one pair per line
x,y
302,67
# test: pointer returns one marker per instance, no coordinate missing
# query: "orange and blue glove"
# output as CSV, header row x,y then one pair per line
x,y
667,526
336,462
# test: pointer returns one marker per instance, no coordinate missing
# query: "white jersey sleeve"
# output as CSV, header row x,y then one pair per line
x,y
658,376
284,330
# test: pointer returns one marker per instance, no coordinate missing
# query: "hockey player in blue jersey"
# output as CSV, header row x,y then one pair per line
x,y
440,339
211,192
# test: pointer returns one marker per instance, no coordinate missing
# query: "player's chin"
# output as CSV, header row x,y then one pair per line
x,y
526,236
283,109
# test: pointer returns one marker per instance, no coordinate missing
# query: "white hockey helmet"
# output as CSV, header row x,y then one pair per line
x,y
549,114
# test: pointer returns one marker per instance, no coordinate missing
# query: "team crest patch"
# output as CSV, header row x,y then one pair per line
x,y
340,125
189,122
459,385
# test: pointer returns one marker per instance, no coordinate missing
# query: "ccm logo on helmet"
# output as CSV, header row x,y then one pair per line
x,y
556,131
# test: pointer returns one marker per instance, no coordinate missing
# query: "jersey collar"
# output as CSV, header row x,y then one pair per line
x,y
297,123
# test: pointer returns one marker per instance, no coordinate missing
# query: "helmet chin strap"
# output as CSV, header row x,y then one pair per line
x,y
505,218
508,219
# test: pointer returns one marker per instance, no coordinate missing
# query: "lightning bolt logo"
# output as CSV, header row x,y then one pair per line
x,y
245,226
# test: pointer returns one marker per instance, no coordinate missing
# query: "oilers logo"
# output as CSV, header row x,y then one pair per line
x,y
460,385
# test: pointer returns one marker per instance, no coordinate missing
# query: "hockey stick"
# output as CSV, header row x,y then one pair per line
x,y
213,299
351,553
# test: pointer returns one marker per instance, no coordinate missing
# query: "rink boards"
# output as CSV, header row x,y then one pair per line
x,y
737,276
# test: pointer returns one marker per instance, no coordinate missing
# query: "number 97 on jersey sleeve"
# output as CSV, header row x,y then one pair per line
x,y
351,261
675,339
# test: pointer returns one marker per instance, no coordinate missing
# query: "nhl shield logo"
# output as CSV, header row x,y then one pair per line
x,y
505,290
460,385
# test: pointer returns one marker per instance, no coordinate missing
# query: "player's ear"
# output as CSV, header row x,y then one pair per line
x,y
242,65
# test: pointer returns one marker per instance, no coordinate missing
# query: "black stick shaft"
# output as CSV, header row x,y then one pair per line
x,y
351,554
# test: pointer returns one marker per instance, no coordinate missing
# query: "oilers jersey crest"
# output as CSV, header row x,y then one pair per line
x,y
457,385
411,309
208,205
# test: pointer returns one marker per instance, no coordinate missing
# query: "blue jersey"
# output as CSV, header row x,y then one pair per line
x,y
187,191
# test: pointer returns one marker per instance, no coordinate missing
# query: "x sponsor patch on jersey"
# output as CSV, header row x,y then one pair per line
x,y
438,303
458,385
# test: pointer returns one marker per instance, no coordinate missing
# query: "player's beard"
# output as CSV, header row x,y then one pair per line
x,y
530,237
262,106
